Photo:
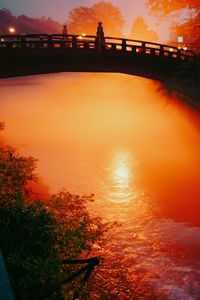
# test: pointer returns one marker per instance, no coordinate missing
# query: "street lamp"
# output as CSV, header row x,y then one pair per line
x,y
11,29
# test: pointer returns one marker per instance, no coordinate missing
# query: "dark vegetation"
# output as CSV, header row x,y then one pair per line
x,y
186,82
37,235
188,27
24,24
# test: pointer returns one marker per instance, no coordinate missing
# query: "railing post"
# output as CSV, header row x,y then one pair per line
x,y
179,54
143,48
124,45
74,42
114,48
50,44
65,32
23,42
161,50
100,40
65,36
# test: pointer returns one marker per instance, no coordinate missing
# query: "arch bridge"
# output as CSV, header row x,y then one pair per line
x,y
41,53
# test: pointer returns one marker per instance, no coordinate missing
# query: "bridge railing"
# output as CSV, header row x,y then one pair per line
x,y
145,47
48,41
89,43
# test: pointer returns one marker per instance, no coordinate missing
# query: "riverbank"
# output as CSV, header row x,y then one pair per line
x,y
185,83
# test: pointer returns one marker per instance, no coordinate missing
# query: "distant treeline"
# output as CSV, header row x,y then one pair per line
x,y
24,24
81,19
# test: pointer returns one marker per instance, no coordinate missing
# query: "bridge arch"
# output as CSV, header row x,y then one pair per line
x,y
41,53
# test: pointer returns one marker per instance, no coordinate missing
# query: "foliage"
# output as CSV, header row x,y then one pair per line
x,y
15,172
85,19
27,240
185,82
164,8
189,27
25,24
35,236
81,230
140,31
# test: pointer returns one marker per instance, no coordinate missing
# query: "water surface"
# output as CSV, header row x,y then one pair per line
x,y
137,150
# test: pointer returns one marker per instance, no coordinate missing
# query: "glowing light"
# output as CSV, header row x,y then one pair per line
x,y
171,50
80,37
185,48
83,34
120,190
11,30
2,40
122,173
180,39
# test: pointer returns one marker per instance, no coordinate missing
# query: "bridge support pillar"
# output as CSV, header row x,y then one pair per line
x,y
100,40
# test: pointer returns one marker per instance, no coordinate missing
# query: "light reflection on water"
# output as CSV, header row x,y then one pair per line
x,y
120,178
134,150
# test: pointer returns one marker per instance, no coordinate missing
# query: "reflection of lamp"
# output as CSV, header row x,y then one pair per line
x,y
11,29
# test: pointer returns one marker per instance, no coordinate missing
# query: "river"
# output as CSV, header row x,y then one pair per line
x,y
137,149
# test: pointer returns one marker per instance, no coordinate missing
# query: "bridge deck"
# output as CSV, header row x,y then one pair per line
x,y
32,54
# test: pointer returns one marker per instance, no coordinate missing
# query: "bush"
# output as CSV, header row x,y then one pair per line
x,y
185,82
35,236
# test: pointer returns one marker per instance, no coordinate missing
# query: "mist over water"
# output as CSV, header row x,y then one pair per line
x,y
119,137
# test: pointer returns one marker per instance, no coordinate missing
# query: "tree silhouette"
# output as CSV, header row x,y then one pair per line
x,y
190,27
36,236
85,19
25,24
140,31
164,8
